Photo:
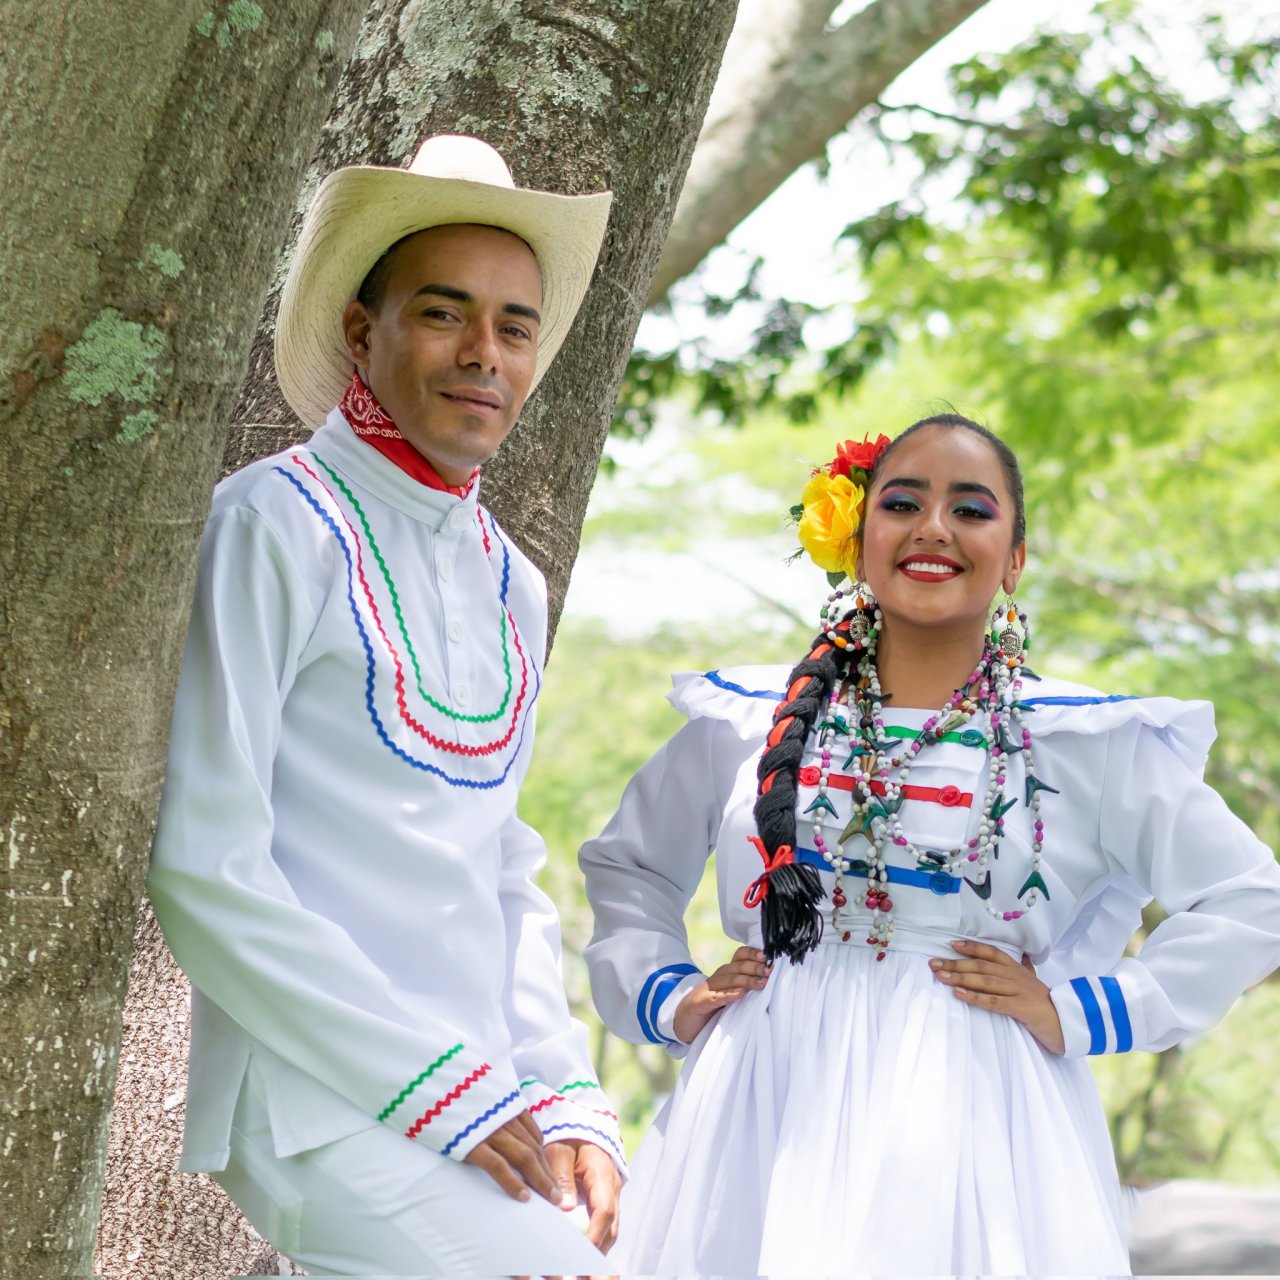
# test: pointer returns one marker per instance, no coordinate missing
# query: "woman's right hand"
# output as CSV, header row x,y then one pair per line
x,y
747,971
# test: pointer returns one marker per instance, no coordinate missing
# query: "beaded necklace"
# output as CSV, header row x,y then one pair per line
x,y
878,765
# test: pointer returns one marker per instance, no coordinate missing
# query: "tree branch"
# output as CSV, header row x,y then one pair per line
x,y
810,92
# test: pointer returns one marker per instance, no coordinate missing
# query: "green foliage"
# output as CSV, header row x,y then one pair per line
x,y
1073,152
1209,1109
1078,141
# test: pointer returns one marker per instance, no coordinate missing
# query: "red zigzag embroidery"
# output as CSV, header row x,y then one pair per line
x,y
452,1096
559,1097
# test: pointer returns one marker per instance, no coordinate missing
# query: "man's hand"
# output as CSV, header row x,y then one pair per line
x,y
747,971
991,979
582,1166
513,1156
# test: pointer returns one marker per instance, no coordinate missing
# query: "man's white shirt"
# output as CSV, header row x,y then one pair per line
x,y
339,865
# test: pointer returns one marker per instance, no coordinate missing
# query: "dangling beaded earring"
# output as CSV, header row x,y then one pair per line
x,y
854,602
1011,636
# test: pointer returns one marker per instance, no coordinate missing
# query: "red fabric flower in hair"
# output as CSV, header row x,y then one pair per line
x,y
858,455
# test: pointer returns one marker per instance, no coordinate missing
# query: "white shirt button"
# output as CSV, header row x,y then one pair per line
x,y
455,631
461,694
457,517
444,569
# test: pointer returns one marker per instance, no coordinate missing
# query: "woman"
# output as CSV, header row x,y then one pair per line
x,y
933,859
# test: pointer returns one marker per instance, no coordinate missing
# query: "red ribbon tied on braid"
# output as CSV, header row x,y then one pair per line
x,y
758,889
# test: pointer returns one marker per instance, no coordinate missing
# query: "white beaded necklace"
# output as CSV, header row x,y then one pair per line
x,y
992,690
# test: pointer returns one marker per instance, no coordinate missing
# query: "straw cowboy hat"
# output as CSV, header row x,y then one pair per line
x,y
358,213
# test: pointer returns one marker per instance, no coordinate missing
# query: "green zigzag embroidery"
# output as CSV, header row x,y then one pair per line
x,y
404,631
564,1088
413,1084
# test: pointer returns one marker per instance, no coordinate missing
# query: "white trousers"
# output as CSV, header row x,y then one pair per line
x,y
375,1204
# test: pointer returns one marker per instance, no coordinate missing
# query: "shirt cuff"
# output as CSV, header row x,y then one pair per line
x,y
575,1110
1094,1015
664,1014
454,1105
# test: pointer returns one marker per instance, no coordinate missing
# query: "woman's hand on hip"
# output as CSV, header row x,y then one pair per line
x,y
991,979
747,971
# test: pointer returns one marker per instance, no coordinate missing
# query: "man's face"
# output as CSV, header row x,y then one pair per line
x,y
451,350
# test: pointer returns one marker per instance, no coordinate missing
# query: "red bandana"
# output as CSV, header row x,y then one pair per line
x,y
370,422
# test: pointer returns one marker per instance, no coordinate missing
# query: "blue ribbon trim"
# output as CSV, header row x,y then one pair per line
x,y
506,552
586,1128
1092,1014
720,682
477,1122
939,882
661,982
371,665
1119,1013
1077,701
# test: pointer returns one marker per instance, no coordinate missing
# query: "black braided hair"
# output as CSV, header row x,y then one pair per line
x,y
789,911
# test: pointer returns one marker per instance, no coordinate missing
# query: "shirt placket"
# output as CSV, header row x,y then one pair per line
x,y
461,693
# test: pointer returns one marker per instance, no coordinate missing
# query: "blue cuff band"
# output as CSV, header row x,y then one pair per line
x,y
1119,1013
658,986
1092,1014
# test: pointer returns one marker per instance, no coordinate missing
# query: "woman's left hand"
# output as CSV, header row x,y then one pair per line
x,y
989,978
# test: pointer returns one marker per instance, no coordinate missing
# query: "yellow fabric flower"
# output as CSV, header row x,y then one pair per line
x,y
828,529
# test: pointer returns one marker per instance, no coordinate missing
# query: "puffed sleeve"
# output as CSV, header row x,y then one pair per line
x,y
1163,826
641,873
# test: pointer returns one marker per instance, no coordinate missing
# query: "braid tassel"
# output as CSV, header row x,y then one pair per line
x,y
790,919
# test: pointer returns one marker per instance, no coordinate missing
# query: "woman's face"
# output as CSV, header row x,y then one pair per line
x,y
937,540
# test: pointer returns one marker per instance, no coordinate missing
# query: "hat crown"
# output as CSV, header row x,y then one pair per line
x,y
459,157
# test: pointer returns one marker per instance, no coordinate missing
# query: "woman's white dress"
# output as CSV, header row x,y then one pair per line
x,y
855,1117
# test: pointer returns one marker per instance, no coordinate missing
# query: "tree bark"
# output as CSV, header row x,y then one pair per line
x,y
801,85
150,154
578,97
156,1221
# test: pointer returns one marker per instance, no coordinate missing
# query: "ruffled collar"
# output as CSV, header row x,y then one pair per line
x,y
746,697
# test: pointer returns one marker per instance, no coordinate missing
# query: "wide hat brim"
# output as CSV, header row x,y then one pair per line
x,y
360,212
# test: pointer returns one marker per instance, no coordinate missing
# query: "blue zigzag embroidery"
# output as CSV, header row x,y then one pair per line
x,y
370,662
586,1128
478,1121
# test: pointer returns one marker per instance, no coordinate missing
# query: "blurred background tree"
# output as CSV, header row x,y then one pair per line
x,y
1082,255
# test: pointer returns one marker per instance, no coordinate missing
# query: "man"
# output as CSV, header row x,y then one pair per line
x,y
384,1074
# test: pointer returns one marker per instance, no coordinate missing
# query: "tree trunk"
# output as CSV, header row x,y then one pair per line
x,y
150,156
577,97
156,1221
800,85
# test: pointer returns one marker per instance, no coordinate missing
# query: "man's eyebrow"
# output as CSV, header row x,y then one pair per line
x,y
455,294
518,309
958,486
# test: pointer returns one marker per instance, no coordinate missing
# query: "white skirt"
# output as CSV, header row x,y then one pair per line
x,y
855,1118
